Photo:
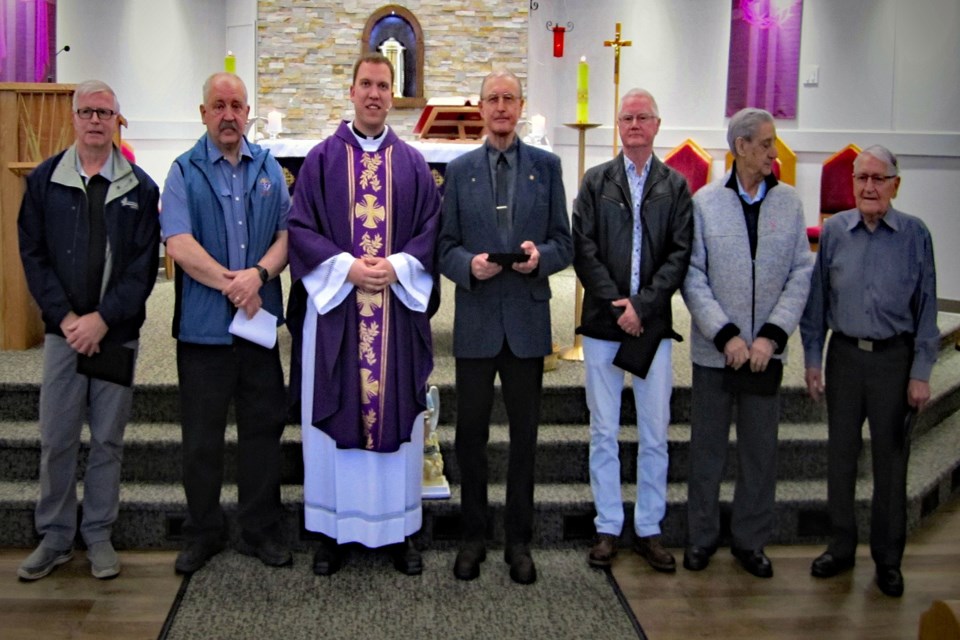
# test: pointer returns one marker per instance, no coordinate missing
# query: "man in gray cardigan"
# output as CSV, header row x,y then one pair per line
x,y
746,289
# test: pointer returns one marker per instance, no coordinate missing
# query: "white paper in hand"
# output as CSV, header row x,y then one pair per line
x,y
261,329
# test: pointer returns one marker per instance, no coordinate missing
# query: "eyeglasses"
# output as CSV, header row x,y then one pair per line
x,y
878,181
494,99
641,118
104,114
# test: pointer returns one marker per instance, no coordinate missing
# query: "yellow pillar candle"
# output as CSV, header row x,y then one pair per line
x,y
583,83
230,62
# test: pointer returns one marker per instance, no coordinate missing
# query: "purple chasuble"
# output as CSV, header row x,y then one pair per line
x,y
373,353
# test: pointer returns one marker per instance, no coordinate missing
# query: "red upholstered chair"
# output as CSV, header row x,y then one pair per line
x,y
836,182
692,162
836,188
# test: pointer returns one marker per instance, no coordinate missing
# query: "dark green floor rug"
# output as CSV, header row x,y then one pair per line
x,y
237,597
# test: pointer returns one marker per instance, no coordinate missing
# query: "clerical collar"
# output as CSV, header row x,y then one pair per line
x,y
363,136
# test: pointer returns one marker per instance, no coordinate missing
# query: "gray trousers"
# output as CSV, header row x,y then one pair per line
x,y
751,523
65,397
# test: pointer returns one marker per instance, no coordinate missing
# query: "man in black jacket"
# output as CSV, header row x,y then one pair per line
x,y
632,232
89,239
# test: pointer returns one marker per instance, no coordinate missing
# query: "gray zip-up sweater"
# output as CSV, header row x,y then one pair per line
x,y
725,287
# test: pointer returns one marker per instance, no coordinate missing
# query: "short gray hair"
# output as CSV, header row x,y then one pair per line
x,y
90,87
208,84
745,124
502,73
636,92
882,154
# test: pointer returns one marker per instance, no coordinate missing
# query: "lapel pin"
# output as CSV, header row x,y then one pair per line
x,y
531,176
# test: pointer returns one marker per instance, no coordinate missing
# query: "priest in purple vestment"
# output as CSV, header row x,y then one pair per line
x,y
363,228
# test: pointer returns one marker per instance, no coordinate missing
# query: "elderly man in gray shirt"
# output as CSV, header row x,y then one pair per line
x,y
874,286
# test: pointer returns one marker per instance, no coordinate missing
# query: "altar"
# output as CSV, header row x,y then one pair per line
x,y
290,152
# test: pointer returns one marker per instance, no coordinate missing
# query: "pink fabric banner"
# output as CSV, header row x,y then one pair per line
x,y
27,40
764,66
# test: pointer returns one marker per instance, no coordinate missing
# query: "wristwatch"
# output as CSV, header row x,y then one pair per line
x,y
264,274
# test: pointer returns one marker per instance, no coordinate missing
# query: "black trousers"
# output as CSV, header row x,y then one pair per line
x,y
872,386
521,380
211,376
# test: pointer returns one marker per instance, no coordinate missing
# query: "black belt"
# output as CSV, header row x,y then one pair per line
x,y
865,344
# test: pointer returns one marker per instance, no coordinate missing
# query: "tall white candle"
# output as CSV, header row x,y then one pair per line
x,y
274,122
538,126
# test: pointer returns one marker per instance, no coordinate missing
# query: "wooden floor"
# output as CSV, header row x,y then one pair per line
x,y
721,602
70,603
724,601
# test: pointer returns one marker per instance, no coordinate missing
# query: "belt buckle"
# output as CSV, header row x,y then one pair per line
x,y
864,345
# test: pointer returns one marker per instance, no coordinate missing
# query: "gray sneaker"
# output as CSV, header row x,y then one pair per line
x,y
104,561
42,561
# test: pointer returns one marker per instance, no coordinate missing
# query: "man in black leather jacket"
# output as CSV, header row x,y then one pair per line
x,y
632,230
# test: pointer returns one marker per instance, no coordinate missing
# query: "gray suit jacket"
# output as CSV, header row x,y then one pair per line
x,y
511,305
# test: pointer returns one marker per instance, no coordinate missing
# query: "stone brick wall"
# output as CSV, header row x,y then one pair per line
x,y
306,51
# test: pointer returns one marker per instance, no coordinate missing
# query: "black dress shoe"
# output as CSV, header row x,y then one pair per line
x,y
327,559
828,565
267,548
890,581
697,558
196,554
755,562
467,564
406,558
522,569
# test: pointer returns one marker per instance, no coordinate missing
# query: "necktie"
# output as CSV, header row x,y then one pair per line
x,y
503,200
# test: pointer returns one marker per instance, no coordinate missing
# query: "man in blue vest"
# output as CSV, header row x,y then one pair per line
x,y
224,221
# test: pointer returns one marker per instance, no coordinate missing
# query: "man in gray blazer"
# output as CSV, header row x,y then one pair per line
x,y
504,231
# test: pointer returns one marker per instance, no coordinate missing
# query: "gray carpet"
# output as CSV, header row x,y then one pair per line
x,y
237,597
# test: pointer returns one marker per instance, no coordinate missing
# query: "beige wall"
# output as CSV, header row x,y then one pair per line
x,y
305,55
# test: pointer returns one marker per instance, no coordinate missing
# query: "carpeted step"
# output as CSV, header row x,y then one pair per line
x,y
152,453
151,515
562,403
153,506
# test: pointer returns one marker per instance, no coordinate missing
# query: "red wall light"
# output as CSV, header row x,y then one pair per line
x,y
558,32
558,42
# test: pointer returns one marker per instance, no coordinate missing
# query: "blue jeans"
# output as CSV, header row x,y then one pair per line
x,y
604,386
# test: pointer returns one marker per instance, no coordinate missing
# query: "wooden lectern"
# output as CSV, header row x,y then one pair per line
x,y
35,123
450,121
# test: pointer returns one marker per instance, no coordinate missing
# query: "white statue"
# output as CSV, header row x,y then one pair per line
x,y
392,50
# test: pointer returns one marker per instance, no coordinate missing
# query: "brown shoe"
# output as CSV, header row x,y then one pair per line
x,y
652,551
604,548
